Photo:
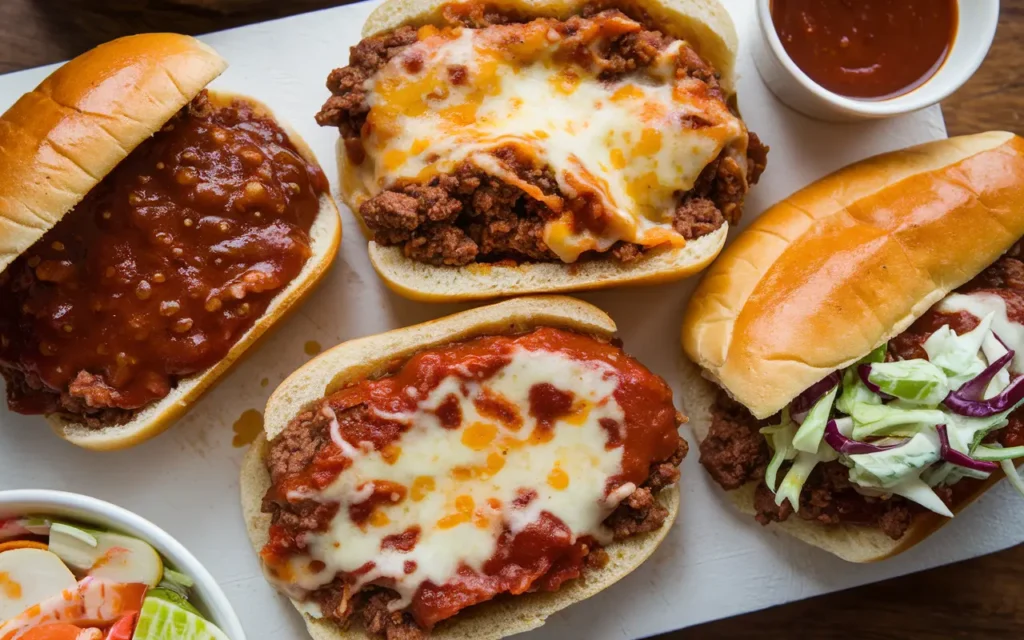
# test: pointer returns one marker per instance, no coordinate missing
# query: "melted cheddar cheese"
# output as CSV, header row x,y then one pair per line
x,y
457,95
458,487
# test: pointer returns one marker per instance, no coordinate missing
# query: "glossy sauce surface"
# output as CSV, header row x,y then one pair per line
x,y
161,268
543,554
872,49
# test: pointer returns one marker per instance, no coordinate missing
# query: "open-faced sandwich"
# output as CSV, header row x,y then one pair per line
x,y
150,232
865,340
525,146
463,478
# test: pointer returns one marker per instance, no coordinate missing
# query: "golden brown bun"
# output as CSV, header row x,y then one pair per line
x,y
703,23
845,264
849,542
365,357
838,268
63,138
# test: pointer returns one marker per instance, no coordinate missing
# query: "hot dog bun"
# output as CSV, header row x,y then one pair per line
x,y
358,359
64,137
839,268
703,23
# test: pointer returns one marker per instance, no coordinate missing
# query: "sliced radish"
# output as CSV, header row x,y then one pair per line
x,y
29,576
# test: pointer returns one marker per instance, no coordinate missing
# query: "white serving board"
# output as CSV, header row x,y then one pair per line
x,y
715,563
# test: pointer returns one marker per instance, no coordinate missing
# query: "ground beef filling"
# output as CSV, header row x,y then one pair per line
x,y
160,269
468,216
735,453
296,447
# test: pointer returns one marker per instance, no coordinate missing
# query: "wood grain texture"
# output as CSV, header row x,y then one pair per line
x,y
977,598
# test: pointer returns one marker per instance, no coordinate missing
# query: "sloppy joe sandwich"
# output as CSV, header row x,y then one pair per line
x,y
408,479
150,231
864,340
530,146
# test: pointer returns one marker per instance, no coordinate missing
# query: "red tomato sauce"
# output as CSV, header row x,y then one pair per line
x,y
867,48
543,555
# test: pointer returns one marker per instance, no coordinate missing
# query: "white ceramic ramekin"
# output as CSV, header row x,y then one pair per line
x,y
976,29
97,512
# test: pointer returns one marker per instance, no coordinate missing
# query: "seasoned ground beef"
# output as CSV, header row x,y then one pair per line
x,y
735,453
468,216
296,447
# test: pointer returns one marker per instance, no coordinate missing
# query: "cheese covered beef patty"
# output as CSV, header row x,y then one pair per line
x,y
495,139
501,464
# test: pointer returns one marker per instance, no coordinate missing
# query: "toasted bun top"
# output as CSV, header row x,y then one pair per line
x,y
704,24
61,139
845,264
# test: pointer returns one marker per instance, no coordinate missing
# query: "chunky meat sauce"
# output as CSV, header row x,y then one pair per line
x,y
735,453
160,269
469,216
303,457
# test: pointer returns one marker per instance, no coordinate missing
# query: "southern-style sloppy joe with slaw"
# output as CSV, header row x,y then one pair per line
x,y
499,464
163,266
499,138
912,427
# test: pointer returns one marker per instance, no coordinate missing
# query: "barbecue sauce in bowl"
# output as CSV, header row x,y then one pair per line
x,y
867,49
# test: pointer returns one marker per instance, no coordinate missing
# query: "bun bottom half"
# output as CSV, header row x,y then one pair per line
x,y
325,237
371,356
481,281
505,615
850,542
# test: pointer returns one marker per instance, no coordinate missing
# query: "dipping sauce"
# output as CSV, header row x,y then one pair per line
x,y
874,49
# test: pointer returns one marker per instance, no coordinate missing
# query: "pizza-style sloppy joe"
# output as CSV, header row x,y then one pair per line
x,y
495,137
160,269
501,464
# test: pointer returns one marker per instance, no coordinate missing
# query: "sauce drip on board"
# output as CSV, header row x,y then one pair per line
x,y
874,49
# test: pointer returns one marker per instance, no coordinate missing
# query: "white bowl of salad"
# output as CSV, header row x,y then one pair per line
x,y
77,568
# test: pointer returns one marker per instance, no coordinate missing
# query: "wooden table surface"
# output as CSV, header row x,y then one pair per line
x,y
981,597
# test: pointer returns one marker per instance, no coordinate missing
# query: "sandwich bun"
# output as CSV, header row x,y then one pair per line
x,y
60,140
837,269
372,356
705,24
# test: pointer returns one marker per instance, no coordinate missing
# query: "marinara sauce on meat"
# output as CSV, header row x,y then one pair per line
x,y
323,444
735,452
161,268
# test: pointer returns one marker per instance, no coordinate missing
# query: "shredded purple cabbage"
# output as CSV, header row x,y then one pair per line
x,y
803,402
966,401
951,455
849,446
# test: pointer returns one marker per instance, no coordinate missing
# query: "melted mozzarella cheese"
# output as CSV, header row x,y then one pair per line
x,y
461,483
625,143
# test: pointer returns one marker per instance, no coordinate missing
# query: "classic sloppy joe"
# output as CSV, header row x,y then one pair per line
x,y
498,138
161,268
496,465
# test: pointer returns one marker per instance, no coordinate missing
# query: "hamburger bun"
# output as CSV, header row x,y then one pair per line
x,y
371,356
705,24
60,140
839,268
